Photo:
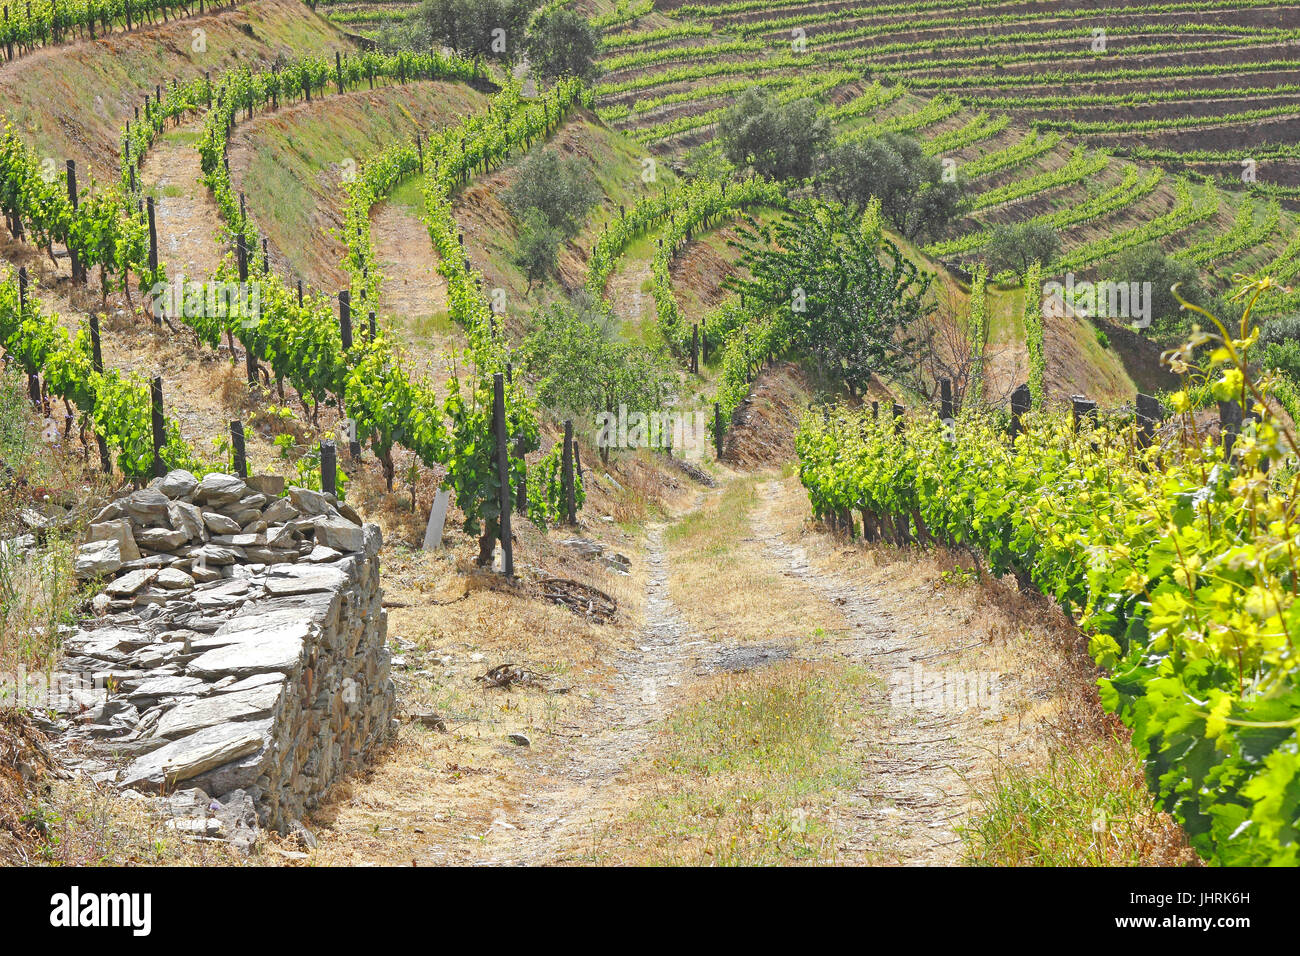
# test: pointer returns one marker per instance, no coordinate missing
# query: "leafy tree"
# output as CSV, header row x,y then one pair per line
x,y
581,366
850,298
1148,263
396,36
550,197
562,189
1014,246
780,141
914,195
537,249
1279,346
481,29
561,43
1284,328
707,161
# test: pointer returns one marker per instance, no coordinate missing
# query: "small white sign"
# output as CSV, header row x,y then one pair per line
x,y
437,518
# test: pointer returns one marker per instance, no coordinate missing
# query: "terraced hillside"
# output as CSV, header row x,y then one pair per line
x,y
1117,125
387,206
1203,76
367,18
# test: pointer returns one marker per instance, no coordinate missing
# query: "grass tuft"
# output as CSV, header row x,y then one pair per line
x,y
1086,807
745,775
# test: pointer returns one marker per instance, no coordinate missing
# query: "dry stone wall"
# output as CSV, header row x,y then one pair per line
x,y
237,663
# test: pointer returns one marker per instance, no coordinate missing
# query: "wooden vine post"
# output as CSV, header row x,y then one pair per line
x,y
1082,407
159,425
566,475
97,363
1149,413
345,337
153,234
33,378
241,258
1021,402
717,429
72,199
503,472
238,448
328,467
1230,421
345,319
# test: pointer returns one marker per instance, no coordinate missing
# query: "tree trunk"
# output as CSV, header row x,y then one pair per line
x,y
487,543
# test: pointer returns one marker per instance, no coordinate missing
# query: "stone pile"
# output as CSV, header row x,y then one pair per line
x,y
597,551
241,639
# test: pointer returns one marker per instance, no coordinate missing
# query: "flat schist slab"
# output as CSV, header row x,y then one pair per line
x,y
175,685
194,715
199,752
254,622
305,578
228,594
275,646
108,639
111,645
322,607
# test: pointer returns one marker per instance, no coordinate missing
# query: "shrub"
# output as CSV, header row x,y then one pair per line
x,y
537,249
561,43
778,140
914,195
1013,247
561,189
1149,264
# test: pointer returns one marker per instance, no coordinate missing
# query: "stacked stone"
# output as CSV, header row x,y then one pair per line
x,y
243,641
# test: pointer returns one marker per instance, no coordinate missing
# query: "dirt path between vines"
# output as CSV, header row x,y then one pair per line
x,y
413,296
186,215
912,793
635,308
412,284
578,793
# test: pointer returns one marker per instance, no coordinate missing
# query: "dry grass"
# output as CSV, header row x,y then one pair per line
x,y
39,474
1054,762
50,818
438,796
1086,807
38,595
724,584
745,772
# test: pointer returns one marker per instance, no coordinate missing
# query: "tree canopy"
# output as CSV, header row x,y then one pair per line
x,y
851,299
561,43
914,194
778,140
